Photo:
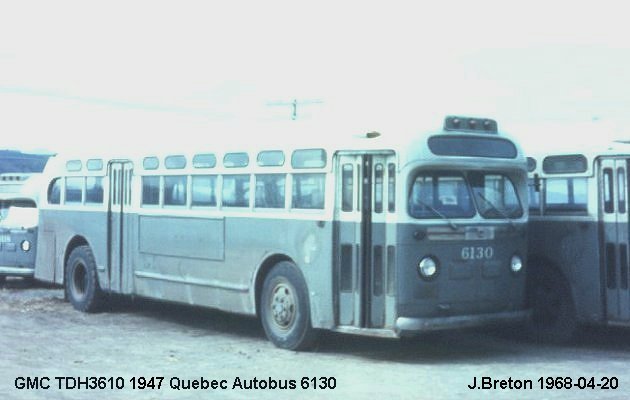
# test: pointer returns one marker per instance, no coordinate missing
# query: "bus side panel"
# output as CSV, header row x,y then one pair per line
x,y
58,228
212,262
199,238
575,250
45,264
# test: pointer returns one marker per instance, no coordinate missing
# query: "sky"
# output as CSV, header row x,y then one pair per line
x,y
77,75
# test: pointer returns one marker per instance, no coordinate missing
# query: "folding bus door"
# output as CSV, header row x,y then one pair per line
x,y
362,242
119,225
613,211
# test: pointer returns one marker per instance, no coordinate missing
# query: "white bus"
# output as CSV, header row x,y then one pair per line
x,y
18,224
578,247
382,234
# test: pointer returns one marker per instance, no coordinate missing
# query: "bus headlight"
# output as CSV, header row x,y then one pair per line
x,y
428,267
516,263
25,245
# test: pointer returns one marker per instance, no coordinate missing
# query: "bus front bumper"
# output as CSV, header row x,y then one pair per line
x,y
416,325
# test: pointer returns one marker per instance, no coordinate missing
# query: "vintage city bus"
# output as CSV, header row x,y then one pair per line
x,y
578,239
384,234
18,224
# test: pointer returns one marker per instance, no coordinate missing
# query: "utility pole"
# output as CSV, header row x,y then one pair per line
x,y
294,105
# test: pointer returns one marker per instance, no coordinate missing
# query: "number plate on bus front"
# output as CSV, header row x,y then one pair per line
x,y
477,252
479,233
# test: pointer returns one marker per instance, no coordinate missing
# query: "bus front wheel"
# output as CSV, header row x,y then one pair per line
x,y
284,309
81,281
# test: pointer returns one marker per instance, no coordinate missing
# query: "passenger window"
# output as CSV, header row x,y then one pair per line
x,y
621,185
565,195
270,158
74,165
74,190
235,191
94,190
378,188
175,190
233,160
150,190
270,190
308,191
204,190
608,191
175,162
204,161
391,187
150,163
54,191
347,187
308,158
94,164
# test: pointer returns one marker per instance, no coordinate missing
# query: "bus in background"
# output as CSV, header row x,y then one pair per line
x,y
578,240
18,224
386,234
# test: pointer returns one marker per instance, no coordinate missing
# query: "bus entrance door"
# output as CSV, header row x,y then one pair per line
x,y
613,210
118,225
362,241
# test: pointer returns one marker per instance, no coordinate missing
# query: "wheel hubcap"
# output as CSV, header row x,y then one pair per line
x,y
283,306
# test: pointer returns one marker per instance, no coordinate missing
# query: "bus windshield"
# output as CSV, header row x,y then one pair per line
x,y
495,195
448,195
438,195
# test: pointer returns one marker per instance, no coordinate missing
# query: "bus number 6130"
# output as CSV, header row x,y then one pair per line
x,y
477,253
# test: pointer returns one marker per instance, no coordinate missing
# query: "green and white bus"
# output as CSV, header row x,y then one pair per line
x,y
578,239
383,234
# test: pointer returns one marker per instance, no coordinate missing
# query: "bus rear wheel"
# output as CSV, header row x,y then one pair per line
x,y
284,309
81,280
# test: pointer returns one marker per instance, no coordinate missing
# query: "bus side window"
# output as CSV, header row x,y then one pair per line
x,y
94,190
270,190
621,185
609,206
391,187
175,190
54,191
308,191
565,195
204,190
378,188
74,189
235,191
150,190
347,187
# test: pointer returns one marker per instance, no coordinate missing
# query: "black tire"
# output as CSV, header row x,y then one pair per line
x,y
553,310
81,281
3,279
284,309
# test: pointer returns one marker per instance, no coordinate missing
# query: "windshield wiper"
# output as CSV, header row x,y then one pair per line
x,y
495,208
439,214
